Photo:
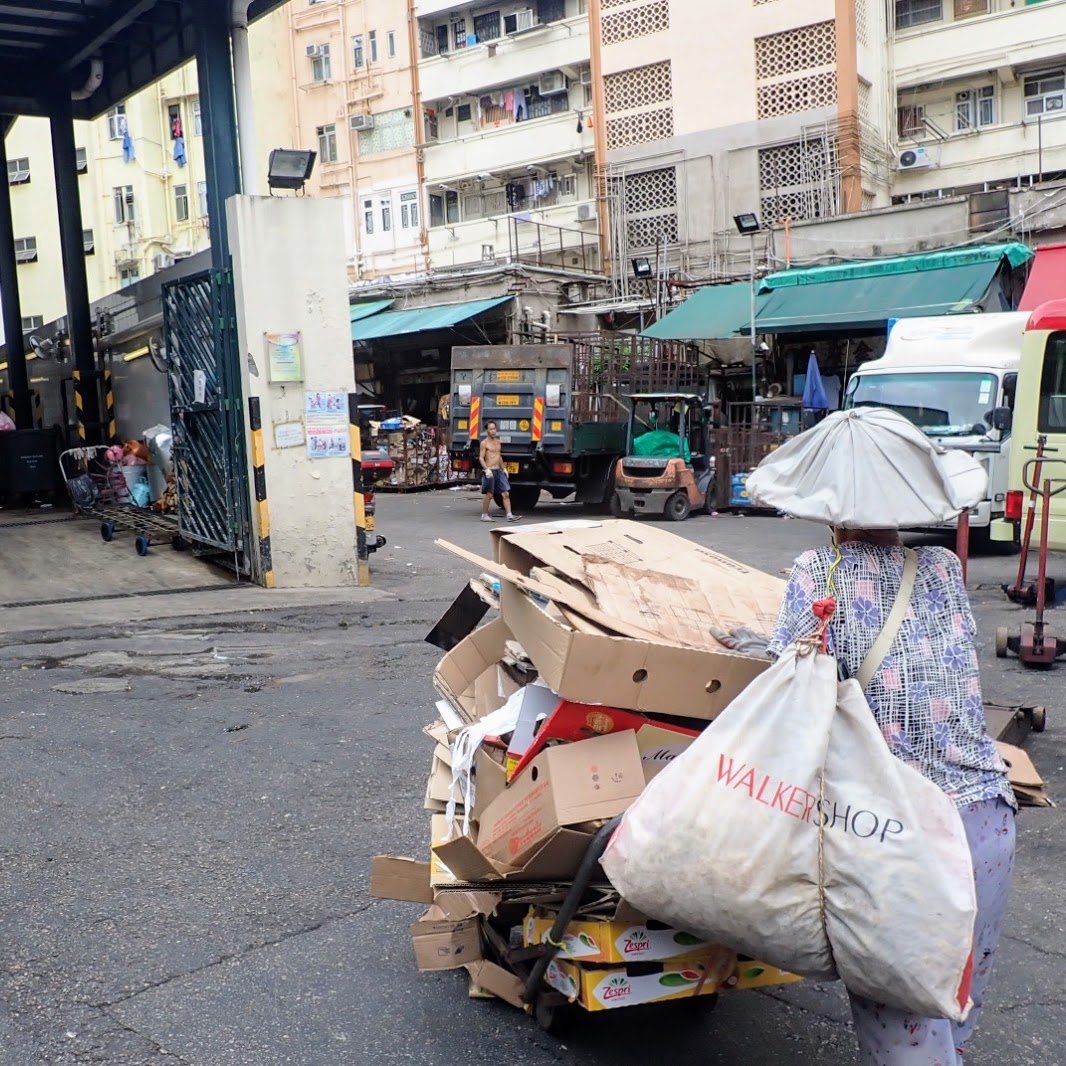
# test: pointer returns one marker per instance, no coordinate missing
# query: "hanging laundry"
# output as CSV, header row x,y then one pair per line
x,y
175,128
128,153
508,100
580,127
485,103
179,151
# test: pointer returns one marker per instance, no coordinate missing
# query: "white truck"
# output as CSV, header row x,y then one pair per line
x,y
955,378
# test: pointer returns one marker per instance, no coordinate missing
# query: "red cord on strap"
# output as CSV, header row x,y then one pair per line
x,y
824,611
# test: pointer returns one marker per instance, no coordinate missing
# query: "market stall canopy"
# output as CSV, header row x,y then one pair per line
x,y
420,319
106,49
714,313
1047,279
360,311
865,296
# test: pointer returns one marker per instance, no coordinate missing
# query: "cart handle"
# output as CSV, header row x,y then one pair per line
x,y
1041,464
593,854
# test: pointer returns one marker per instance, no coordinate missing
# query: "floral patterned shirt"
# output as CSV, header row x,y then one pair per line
x,y
926,695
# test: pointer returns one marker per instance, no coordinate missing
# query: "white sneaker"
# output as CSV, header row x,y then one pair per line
x,y
487,518
514,518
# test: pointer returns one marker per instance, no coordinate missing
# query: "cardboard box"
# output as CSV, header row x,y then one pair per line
x,y
658,743
442,944
614,941
590,665
599,988
563,786
490,779
1029,787
750,973
400,879
554,863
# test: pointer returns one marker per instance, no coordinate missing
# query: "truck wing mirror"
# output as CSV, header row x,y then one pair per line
x,y
1002,419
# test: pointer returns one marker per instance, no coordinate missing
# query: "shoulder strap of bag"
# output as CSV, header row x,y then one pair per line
x,y
892,625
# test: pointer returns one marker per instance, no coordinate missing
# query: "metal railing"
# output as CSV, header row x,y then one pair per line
x,y
541,244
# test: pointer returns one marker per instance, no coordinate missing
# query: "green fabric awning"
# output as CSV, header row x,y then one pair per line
x,y
865,304
714,313
420,319
365,310
1014,252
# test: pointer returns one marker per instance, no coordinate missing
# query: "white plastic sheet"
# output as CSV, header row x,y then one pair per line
x,y
868,468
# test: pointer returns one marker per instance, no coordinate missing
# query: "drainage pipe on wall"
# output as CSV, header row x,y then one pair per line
x,y
242,85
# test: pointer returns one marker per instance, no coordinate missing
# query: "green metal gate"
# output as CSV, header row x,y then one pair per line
x,y
206,413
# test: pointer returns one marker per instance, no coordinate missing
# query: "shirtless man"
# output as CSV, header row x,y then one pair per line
x,y
494,477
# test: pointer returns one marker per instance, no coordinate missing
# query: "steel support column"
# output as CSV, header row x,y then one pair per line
x,y
219,115
72,242
9,294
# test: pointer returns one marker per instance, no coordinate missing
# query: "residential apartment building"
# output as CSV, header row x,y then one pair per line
x,y
142,179
505,90
353,100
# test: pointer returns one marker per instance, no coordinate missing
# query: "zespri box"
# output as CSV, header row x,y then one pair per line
x,y
603,941
609,987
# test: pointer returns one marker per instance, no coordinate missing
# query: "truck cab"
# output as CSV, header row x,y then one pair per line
x,y
955,378
1040,413
668,468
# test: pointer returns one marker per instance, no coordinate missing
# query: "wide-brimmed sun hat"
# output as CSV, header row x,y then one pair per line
x,y
868,468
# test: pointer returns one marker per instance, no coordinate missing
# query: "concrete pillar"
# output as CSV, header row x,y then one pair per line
x,y
218,112
304,517
9,294
79,313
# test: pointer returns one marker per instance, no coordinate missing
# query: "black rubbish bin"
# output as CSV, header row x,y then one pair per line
x,y
29,462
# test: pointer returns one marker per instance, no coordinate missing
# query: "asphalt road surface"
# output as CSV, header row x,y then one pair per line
x,y
191,805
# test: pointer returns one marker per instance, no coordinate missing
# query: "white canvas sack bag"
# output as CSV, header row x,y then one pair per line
x,y
788,831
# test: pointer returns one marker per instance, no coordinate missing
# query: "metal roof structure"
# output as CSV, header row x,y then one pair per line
x,y
49,46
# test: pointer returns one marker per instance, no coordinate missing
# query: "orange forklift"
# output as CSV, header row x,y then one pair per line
x,y
668,468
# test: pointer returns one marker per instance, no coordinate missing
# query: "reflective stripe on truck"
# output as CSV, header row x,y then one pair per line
x,y
475,417
538,419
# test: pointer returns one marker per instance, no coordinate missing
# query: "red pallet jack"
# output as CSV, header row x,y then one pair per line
x,y
1022,592
1036,644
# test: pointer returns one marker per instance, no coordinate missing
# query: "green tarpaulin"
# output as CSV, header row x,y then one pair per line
x,y
420,319
714,313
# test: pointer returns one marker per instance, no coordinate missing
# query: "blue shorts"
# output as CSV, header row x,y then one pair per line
x,y
493,481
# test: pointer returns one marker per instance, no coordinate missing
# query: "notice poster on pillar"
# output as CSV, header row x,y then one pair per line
x,y
284,357
326,424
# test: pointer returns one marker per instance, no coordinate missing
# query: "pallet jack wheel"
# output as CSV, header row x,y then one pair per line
x,y
107,531
1002,641
142,544
1038,720
178,543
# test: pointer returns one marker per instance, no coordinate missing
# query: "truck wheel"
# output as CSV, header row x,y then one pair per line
x,y
677,507
524,497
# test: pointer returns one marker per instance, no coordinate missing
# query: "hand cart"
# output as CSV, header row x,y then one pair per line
x,y
1035,644
98,490
549,1007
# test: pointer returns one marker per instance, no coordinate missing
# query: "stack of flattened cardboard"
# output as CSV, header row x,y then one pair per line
x,y
603,655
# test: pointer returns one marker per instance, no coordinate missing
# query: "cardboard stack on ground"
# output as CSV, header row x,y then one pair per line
x,y
615,618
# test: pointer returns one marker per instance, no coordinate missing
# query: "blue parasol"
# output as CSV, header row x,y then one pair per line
x,y
814,396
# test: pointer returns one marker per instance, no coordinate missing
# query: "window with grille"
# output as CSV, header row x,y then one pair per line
x,y
197,118
320,64
965,9
32,322
464,113
918,12
551,10
390,44
128,276
458,33
386,216
798,49
444,208
800,180
181,203
975,108
910,120
368,217
649,206
487,26
88,242
18,171
116,122
1045,94
81,160
373,40
358,52
327,143
26,250
123,203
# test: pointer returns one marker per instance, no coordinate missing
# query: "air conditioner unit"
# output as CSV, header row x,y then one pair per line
x,y
361,122
552,83
586,213
163,260
314,50
913,159
586,76
525,20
